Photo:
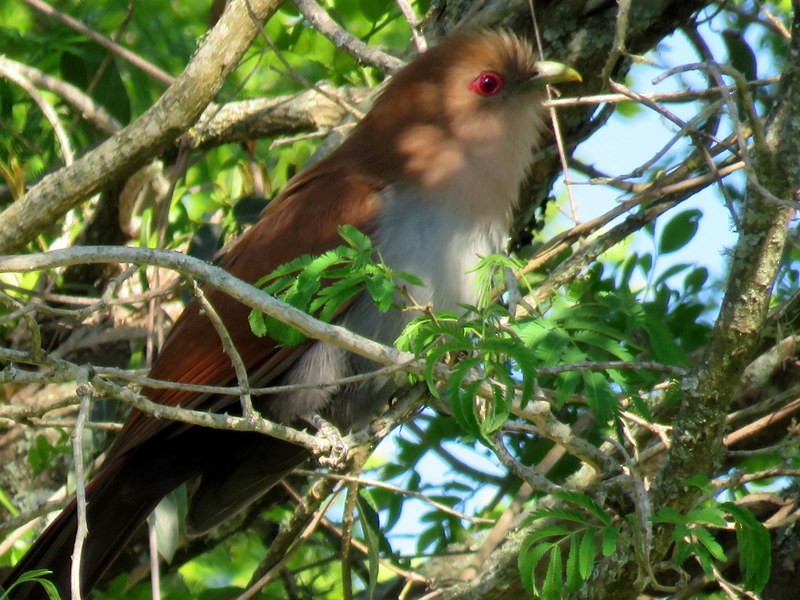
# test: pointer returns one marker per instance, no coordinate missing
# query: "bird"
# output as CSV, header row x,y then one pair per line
x,y
432,173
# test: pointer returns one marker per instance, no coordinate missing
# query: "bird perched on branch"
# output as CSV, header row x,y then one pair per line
x,y
432,174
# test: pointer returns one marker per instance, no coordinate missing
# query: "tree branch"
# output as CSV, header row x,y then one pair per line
x,y
126,151
697,443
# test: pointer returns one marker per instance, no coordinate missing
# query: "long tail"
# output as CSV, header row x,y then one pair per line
x,y
235,469
118,502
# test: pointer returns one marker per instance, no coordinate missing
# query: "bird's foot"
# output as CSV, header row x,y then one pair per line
x,y
333,453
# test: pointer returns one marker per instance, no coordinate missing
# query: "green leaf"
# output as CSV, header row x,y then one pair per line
x,y
574,578
546,532
332,297
628,110
610,535
461,396
662,342
489,272
701,482
6,502
586,502
563,514
258,324
704,558
382,290
628,265
321,285
525,359
753,540
370,523
81,65
671,272
588,551
602,401
710,515
282,333
679,231
568,383
682,552
668,515
528,558
496,411
681,533
355,238
695,280
704,536
409,278
37,576
430,537
374,10
553,584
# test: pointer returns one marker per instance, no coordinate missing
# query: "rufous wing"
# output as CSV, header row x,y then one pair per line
x,y
303,220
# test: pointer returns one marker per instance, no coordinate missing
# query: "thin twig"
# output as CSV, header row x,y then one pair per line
x,y
646,365
85,106
103,41
293,534
678,97
775,23
408,575
414,23
546,425
539,483
342,39
295,74
84,392
221,279
562,153
228,346
618,45
155,570
364,481
657,189
10,72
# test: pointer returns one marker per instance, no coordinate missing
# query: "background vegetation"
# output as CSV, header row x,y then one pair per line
x,y
630,432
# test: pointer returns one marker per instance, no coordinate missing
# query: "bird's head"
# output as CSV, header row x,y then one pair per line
x,y
468,108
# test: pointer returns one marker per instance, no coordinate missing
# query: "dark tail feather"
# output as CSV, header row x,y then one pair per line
x,y
117,504
128,487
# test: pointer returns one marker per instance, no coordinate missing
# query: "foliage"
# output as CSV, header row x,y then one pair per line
x,y
40,578
323,285
588,531
591,525
614,348
693,538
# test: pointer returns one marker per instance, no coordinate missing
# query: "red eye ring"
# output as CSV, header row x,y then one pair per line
x,y
487,83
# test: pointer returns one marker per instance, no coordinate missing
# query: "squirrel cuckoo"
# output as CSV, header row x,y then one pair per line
x,y
432,174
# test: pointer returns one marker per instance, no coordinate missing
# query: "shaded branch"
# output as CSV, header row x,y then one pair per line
x,y
126,151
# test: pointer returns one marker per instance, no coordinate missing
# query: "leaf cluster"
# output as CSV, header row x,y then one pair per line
x,y
582,529
693,534
324,285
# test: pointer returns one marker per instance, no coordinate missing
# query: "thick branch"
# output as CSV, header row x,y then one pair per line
x,y
161,125
221,279
270,117
756,259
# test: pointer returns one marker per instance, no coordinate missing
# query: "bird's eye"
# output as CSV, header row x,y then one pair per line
x,y
488,83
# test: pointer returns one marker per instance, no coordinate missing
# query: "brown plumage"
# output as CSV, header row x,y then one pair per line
x,y
432,174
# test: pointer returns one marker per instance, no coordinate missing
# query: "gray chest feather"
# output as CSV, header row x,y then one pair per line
x,y
416,237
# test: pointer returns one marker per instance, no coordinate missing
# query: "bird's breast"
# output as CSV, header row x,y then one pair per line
x,y
439,239
415,234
